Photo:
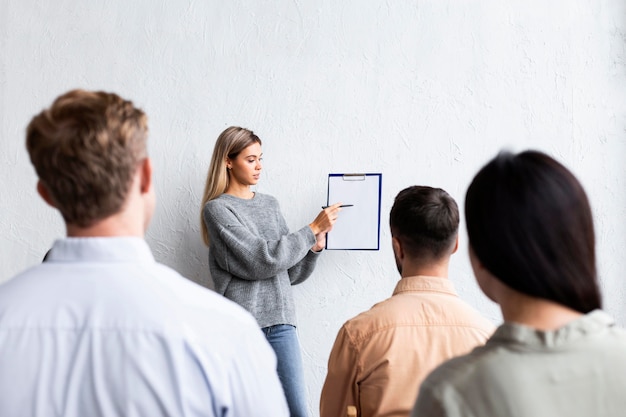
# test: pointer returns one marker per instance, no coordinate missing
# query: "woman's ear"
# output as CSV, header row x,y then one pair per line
x,y
486,281
477,266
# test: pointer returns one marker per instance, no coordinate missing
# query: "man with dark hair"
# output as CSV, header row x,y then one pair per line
x,y
381,356
100,328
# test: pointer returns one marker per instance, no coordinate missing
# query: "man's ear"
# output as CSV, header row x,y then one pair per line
x,y
45,194
397,247
456,245
145,180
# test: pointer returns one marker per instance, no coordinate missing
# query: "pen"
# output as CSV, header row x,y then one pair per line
x,y
342,206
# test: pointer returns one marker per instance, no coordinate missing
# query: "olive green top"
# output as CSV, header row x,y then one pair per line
x,y
575,371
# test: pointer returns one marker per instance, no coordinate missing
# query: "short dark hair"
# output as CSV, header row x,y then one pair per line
x,y
85,149
426,220
530,224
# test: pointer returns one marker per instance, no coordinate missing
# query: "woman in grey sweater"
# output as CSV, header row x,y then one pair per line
x,y
532,249
253,258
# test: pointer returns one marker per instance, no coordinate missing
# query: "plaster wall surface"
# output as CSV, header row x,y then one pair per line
x,y
424,92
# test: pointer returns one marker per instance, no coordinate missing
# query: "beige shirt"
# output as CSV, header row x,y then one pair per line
x,y
578,370
381,356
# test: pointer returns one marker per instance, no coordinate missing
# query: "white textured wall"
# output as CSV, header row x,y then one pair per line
x,y
423,91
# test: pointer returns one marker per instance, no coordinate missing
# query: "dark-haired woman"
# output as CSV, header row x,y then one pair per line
x,y
532,249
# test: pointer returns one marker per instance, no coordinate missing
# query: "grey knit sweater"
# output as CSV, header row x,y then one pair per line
x,y
254,259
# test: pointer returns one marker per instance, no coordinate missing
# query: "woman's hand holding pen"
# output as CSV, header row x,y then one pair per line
x,y
323,224
324,221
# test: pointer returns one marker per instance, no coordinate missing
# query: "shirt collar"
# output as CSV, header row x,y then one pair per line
x,y
517,333
424,283
100,249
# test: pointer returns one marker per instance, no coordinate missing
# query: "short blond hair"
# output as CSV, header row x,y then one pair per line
x,y
86,148
229,144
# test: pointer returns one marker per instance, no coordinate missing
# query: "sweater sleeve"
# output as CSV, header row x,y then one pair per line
x,y
303,269
247,255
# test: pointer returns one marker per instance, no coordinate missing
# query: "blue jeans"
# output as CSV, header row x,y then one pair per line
x,y
284,340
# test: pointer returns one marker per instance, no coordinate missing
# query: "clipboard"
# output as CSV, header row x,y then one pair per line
x,y
358,226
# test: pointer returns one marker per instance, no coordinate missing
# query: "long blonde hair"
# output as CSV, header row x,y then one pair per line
x,y
229,144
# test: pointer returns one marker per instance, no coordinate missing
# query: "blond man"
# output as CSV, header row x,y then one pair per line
x,y
100,328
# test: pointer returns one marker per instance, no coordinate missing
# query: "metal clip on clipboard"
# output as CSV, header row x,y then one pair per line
x,y
354,177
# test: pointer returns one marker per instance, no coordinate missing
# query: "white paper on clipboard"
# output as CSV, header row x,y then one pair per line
x,y
358,227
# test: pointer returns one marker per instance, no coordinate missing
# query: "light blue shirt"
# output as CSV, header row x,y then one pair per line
x,y
101,329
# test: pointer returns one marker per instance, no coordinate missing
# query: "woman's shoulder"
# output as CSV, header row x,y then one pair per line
x,y
217,202
461,369
217,208
265,198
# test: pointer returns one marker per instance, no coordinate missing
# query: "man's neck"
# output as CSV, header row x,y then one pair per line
x,y
114,226
431,269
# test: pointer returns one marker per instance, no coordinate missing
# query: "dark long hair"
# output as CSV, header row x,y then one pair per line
x,y
529,223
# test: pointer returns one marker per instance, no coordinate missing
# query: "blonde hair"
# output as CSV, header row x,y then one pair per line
x,y
85,149
229,144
